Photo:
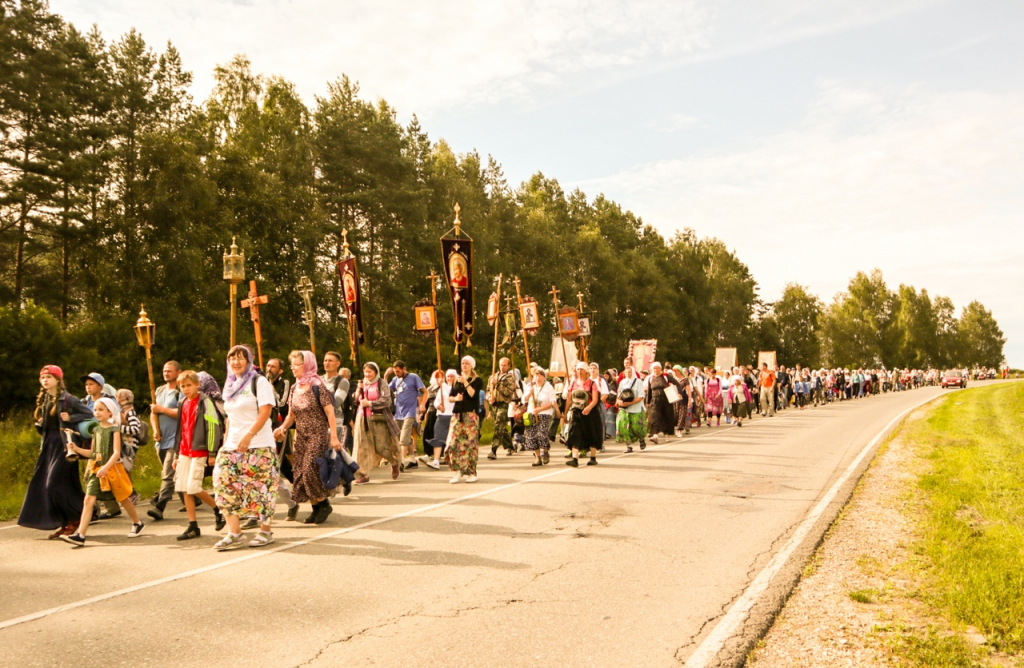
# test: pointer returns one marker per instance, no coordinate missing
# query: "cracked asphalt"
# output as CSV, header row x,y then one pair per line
x,y
630,563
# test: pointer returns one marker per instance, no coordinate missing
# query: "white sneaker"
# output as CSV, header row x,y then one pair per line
x,y
654,439
471,478
456,479
434,464
424,459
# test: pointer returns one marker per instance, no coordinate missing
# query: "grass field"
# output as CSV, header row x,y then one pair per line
x,y
19,449
971,521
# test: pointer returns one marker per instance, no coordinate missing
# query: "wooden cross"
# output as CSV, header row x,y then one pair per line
x,y
554,295
253,304
305,289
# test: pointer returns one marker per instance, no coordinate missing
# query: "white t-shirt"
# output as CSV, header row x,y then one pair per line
x,y
639,392
243,411
544,395
446,392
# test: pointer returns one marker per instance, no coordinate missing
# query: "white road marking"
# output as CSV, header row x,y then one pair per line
x,y
708,650
10,526
338,532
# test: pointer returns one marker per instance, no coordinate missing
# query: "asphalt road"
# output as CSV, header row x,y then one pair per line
x,y
629,563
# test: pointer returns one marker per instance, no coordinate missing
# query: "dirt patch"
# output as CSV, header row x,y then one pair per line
x,y
856,603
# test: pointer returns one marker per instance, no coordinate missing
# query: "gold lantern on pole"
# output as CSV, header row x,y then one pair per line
x,y
145,333
234,273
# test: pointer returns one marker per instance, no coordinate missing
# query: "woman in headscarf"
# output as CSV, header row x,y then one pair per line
x,y
631,423
713,398
377,433
311,410
540,407
586,429
660,415
464,432
683,408
54,498
246,474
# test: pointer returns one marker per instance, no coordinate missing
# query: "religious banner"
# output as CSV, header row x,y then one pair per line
x,y
725,359
352,298
457,254
643,353
584,327
563,357
529,313
425,316
568,323
493,307
766,356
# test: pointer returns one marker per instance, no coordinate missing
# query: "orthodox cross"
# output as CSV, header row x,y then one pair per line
x,y
305,288
253,304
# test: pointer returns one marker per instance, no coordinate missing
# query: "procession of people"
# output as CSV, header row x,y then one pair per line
x,y
266,437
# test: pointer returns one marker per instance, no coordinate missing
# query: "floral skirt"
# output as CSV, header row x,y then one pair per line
x,y
537,433
464,443
246,482
631,426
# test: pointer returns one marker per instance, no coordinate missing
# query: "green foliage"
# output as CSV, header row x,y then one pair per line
x,y
119,190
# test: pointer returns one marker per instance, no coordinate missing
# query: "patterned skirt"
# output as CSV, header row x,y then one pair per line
x,y
631,426
464,443
537,433
246,482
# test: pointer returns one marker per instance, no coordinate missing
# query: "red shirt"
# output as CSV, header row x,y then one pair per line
x,y
188,424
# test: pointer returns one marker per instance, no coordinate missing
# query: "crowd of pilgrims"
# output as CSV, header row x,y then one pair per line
x,y
269,436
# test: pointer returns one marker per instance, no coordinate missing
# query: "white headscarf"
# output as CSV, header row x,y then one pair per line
x,y
115,410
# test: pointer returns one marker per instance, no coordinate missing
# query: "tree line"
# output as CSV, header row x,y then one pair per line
x,y
120,189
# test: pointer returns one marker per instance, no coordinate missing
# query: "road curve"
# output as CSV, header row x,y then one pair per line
x,y
633,562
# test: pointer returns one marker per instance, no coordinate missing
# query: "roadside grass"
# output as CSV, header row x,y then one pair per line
x,y
970,554
19,450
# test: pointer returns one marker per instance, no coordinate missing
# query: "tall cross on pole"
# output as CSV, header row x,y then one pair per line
x,y
253,304
583,339
558,328
305,289
437,330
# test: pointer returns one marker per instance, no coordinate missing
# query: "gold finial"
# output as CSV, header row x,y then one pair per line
x,y
458,223
344,239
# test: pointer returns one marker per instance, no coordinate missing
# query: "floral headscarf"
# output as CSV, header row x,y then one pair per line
x,y
309,370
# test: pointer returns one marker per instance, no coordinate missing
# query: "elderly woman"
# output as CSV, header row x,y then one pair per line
x,y
464,432
55,497
540,402
684,408
631,423
246,474
376,433
660,414
311,410
586,429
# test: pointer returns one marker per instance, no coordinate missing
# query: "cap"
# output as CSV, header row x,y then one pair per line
x,y
53,370
94,376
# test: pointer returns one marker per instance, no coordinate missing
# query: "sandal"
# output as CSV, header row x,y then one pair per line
x,y
262,538
230,542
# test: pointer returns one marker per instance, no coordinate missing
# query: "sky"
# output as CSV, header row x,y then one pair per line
x,y
816,138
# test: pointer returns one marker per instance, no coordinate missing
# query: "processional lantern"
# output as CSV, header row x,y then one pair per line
x,y
234,273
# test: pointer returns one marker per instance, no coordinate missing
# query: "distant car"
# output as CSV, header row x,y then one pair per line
x,y
953,379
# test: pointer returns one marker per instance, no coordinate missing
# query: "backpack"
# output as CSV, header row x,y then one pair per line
x,y
143,437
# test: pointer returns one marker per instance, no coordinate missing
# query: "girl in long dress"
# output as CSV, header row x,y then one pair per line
x,y
376,433
54,499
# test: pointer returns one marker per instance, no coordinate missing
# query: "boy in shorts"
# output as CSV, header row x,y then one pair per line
x,y
199,436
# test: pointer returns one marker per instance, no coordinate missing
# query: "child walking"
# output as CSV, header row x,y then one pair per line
x,y
199,436
106,478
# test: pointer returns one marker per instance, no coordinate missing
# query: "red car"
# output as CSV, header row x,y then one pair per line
x,y
953,379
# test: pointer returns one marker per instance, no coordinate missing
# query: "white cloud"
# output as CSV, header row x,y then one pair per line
x,y
445,54
924,184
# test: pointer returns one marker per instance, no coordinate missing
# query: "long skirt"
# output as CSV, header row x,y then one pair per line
x,y
631,427
246,482
306,482
54,497
585,431
376,443
684,414
435,445
661,418
740,410
537,432
464,443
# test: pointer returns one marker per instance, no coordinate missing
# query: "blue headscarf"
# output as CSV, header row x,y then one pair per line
x,y
234,385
